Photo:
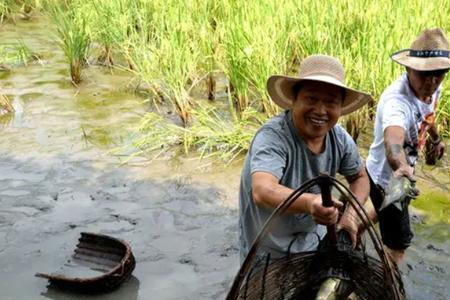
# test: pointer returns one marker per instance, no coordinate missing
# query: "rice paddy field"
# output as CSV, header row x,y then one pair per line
x,y
166,82
203,65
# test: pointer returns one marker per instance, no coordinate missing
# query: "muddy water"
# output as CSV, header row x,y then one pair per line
x,y
57,179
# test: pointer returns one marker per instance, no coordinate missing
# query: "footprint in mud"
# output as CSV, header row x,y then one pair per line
x,y
431,268
230,251
125,218
433,248
146,252
102,195
186,260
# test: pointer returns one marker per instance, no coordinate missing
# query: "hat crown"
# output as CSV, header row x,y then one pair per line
x,y
322,65
431,39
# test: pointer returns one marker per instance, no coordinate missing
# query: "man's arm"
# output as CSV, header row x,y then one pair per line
x,y
433,132
394,137
436,140
267,192
359,185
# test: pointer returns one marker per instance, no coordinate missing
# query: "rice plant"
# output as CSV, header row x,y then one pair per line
x,y
169,57
211,133
5,9
16,55
23,8
27,7
73,34
208,35
237,58
112,20
173,45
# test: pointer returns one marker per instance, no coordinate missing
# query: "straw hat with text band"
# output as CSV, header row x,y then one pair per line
x,y
429,52
322,68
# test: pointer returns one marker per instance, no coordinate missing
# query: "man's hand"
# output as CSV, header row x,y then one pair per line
x,y
349,222
405,171
439,150
324,215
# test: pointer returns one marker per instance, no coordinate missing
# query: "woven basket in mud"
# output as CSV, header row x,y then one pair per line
x,y
111,259
301,275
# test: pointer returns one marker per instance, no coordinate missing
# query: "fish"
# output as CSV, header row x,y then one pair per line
x,y
334,288
399,192
327,290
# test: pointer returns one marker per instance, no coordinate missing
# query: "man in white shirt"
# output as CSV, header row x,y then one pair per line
x,y
405,115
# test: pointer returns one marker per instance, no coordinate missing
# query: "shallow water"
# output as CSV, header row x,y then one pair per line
x,y
58,178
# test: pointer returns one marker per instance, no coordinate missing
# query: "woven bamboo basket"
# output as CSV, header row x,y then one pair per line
x,y
302,275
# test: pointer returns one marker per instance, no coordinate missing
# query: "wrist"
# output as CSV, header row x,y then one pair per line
x,y
309,204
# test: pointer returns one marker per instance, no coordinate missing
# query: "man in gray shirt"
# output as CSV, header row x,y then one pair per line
x,y
298,145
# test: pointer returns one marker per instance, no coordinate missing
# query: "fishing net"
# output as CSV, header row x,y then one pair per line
x,y
363,273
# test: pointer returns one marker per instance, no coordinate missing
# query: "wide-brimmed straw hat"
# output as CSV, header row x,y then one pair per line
x,y
322,68
428,52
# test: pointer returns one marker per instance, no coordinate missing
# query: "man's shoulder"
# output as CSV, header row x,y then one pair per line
x,y
398,90
276,125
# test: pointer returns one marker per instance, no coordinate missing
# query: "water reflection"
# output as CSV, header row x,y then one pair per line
x,y
129,290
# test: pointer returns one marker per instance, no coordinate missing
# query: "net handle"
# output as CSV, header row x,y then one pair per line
x,y
325,183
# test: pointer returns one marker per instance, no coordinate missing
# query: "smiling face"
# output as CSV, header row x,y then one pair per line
x,y
316,109
425,83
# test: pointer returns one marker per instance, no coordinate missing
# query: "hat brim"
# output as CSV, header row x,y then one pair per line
x,y
420,63
280,89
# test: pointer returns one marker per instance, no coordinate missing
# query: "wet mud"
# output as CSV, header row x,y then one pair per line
x,y
58,178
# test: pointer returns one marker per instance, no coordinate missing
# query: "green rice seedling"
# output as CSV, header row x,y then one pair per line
x,y
274,51
73,35
5,9
211,134
443,113
138,51
24,54
16,55
254,51
27,7
156,136
208,33
111,19
238,50
215,135
173,45
24,8
173,57
139,29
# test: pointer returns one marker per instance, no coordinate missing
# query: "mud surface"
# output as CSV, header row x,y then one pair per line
x,y
58,178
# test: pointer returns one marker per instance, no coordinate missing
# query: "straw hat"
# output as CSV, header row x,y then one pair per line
x,y
428,52
322,68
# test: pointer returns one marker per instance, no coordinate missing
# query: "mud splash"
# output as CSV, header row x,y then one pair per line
x,y
57,178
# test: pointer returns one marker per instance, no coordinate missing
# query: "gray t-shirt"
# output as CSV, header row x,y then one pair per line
x,y
279,150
